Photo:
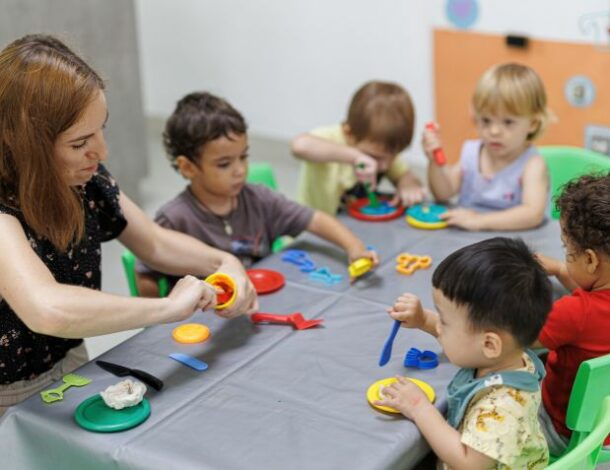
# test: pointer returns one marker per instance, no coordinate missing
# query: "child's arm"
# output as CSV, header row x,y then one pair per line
x,y
408,310
445,441
329,228
409,189
444,181
528,214
554,267
315,149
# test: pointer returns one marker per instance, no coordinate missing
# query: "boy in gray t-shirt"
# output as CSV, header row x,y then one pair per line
x,y
206,140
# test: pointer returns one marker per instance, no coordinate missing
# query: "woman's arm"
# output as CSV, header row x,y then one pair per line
x,y
178,254
67,311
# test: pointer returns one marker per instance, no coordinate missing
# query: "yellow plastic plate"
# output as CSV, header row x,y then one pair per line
x,y
425,225
372,394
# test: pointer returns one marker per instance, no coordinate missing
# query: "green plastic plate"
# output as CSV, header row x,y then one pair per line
x,y
94,415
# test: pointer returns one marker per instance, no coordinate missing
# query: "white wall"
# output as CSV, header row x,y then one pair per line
x,y
290,65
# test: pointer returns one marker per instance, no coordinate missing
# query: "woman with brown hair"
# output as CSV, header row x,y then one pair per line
x,y
57,204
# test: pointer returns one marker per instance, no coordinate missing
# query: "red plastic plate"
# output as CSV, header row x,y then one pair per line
x,y
265,280
353,209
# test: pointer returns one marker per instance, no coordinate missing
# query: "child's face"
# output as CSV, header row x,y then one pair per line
x,y
503,135
223,166
460,342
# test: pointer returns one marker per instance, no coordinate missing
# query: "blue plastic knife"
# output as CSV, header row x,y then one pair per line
x,y
386,352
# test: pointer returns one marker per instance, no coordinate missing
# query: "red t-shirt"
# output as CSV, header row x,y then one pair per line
x,y
577,329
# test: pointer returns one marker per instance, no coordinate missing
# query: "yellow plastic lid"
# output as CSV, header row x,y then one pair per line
x,y
191,333
373,393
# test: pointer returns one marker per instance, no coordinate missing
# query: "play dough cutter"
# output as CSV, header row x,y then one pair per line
x,y
295,319
56,394
226,289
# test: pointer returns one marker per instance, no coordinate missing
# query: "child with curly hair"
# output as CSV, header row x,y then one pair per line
x,y
578,326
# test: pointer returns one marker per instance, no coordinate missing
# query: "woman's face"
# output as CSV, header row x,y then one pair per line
x,y
81,147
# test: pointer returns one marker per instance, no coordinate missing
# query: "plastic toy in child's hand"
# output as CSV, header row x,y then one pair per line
x,y
408,263
421,359
438,154
360,267
426,216
300,258
226,289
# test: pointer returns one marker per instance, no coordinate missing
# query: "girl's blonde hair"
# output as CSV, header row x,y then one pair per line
x,y
515,89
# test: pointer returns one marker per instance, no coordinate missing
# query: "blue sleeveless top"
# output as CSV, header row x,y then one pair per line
x,y
502,191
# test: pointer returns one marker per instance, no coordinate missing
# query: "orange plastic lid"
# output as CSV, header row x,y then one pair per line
x,y
191,333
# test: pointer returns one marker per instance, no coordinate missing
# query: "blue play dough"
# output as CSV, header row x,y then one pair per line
x,y
382,209
431,215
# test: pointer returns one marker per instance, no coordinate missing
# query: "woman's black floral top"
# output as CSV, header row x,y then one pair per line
x,y
24,354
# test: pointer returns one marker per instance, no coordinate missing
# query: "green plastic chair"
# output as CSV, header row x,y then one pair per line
x,y
591,388
586,454
262,173
566,163
129,265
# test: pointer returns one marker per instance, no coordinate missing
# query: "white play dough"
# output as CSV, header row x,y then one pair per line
x,y
124,394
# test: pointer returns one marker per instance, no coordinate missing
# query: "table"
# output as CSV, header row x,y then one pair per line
x,y
273,397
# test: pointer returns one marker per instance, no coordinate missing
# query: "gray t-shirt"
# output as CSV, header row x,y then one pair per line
x,y
260,216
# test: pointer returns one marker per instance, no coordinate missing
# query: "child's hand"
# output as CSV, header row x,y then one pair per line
x,y
408,195
365,168
431,141
408,310
189,294
363,253
466,219
405,397
552,266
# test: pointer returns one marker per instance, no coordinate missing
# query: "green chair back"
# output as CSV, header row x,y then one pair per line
x,y
566,163
586,454
591,388
129,265
262,173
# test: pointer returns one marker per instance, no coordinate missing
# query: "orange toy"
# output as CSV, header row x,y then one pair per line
x,y
226,290
408,263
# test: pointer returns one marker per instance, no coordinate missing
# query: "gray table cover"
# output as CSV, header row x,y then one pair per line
x,y
273,397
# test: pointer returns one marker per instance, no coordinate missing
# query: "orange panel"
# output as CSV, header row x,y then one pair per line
x,y
460,58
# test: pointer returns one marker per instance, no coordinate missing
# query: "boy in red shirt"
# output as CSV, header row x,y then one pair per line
x,y
578,326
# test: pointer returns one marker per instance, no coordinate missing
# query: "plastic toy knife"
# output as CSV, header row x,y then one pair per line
x,y
122,371
386,352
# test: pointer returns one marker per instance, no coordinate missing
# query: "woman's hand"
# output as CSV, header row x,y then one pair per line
x,y
246,300
190,294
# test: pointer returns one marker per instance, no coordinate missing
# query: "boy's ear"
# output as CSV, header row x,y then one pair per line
x,y
492,345
592,261
347,132
186,167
